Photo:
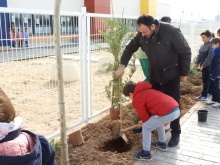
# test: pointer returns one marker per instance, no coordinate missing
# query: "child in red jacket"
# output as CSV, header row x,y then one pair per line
x,y
154,109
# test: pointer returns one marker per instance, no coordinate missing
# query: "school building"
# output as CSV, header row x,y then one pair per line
x,y
43,24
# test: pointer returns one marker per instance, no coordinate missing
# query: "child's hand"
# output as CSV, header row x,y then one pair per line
x,y
140,123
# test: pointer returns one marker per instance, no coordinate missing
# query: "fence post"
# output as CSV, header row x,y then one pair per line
x,y
63,139
81,69
192,30
89,65
84,65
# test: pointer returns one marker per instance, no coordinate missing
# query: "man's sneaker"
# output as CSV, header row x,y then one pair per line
x,y
174,141
210,102
216,105
143,155
160,145
202,98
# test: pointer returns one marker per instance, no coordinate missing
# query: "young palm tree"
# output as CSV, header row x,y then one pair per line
x,y
117,36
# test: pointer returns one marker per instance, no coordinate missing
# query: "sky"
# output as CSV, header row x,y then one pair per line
x,y
194,9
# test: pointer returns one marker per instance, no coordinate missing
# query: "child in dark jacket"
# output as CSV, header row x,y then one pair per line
x,y
154,109
215,72
203,62
20,147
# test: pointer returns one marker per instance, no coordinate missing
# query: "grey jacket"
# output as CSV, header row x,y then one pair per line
x,y
168,53
205,55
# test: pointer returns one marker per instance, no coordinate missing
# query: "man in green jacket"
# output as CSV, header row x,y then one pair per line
x,y
144,64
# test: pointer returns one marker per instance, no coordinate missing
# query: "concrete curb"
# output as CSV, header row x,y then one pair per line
x,y
186,116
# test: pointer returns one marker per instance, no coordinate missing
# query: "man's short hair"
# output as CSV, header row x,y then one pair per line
x,y
129,88
215,41
145,19
166,19
207,33
218,31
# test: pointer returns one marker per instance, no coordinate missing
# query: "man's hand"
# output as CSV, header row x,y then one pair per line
x,y
183,78
199,68
120,71
196,66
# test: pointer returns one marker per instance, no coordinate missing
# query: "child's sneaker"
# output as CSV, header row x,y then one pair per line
x,y
143,155
202,98
160,145
137,130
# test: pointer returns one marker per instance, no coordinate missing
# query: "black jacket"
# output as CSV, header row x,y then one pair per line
x,y
168,52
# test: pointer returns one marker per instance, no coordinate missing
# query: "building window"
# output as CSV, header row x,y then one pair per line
x,y
27,23
42,24
47,24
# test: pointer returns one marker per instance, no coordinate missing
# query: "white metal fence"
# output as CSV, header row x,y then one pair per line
x,y
28,74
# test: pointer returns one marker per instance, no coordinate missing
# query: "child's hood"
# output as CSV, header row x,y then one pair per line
x,y
142,86
216,49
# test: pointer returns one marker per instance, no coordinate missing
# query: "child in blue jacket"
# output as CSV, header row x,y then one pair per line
x,y
215,71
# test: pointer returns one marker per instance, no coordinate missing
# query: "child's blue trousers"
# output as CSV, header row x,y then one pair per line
x,y
157,122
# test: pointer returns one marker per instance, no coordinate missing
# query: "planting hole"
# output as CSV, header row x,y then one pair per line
x,y
118,145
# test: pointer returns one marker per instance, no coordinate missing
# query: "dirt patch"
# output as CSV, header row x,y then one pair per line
x,y
103,144
116,145
189,90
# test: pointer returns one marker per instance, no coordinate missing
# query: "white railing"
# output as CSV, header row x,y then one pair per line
x,y
28,74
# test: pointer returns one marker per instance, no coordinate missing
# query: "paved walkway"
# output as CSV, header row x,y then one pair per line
x,y
199,144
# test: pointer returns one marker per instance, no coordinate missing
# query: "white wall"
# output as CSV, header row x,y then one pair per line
x,y
131,7
67,5
163,10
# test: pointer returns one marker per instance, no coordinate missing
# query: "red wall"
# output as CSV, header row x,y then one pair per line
x,y
101,7
97,6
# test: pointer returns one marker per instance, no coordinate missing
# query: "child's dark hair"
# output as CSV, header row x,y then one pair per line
x,y
218,31
166,19
207,33
147,20
215,41
213,35
129,88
